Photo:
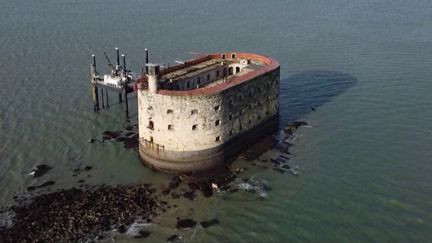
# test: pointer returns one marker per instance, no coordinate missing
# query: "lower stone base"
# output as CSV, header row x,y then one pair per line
x,y
209,159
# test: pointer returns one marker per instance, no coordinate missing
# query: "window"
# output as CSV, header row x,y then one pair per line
x,y
188,84
217,73
194,111
170,127
151,139
230,72
217,107
230,116
208,77
233,56
218,139
223,56
225,72
237,69
217,122
169,111
150,125
194,126
267,113
198,80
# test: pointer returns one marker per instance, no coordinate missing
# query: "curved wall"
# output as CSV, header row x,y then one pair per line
x,y
192,127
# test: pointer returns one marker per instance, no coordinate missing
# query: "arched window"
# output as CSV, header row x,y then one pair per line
x,y
230,72
150,125
237,69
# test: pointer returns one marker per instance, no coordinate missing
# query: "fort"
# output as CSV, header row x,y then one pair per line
x,y
199,114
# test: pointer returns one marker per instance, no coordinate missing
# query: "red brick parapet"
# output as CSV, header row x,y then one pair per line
x,y
270,64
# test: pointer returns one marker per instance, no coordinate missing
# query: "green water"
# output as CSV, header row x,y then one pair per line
x,y
365,162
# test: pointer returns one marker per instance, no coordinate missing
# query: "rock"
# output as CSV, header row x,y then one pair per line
x,y
279,170
189,195
206,189
186,223
175,182
286,167
31,188
40,170
173,238
74,215
110,135
121,229
206,224
142,234
45,184
166,191
293,126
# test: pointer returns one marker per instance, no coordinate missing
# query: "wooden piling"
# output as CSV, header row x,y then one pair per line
x,y
95,98
125,85
106,94
103,100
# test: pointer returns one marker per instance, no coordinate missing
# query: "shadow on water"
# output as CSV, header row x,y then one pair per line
x,y
305,91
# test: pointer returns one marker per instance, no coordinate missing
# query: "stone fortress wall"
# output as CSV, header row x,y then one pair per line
x,y
189,130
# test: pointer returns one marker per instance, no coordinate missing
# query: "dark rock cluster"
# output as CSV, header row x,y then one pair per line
x,y
72,215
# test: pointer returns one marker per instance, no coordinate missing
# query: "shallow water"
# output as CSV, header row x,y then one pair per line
x,y
363,65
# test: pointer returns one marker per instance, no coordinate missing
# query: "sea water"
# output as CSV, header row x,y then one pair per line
x,y
363,66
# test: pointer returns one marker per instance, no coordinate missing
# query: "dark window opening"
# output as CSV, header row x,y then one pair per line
x,y
188,84
169,111
194,127
218,139
217,108
237,69
267,113
230,116
217,122
208,77
217,73
198,80
151,139
233,56
225,72
230,72
150,125
170,127
194,111
223,56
